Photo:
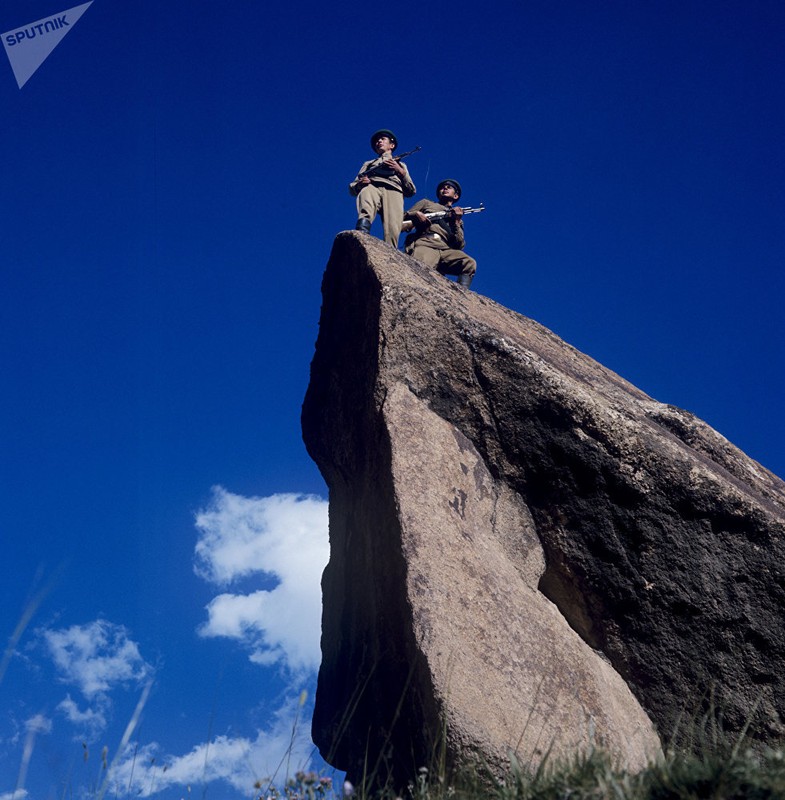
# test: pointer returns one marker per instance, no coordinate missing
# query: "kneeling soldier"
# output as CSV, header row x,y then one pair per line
x,y
380,187
440,243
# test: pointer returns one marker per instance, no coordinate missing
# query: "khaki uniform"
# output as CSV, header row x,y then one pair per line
x,y
384,196
441,246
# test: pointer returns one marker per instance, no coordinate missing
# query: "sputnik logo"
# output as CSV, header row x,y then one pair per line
x,y
29,46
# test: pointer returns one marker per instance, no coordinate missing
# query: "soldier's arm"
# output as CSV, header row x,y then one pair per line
x,y
456,229
409,189
358,183
418,206
414,218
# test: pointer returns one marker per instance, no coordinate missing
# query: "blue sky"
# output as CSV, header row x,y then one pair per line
x,y
173,179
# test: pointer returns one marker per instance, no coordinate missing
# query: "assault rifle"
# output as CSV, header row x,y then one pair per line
x,y
379,163
435,216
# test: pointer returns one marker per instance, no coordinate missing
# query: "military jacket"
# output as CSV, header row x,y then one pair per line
x,y
451,234
384,176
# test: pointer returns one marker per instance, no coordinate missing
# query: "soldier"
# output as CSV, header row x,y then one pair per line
x,y
382,189
440,243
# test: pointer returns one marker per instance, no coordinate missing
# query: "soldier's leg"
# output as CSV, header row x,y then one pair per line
x,y
426,254
369,201
392,215
456,262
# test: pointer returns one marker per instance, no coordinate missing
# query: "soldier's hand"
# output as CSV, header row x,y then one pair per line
x,y
457,213
421,222
395,166
364,181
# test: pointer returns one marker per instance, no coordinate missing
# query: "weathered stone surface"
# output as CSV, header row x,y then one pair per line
x,y
526,550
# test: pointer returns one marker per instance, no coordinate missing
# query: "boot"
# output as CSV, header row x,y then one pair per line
x,y
465,280
363,225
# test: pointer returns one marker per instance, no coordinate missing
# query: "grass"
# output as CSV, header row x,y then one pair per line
x,y
708,775
716,775
707,764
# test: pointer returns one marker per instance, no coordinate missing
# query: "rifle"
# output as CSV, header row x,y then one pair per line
x,y
435,216
379,163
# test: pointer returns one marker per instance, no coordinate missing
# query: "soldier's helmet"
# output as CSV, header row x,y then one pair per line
x,y
455,185
383,132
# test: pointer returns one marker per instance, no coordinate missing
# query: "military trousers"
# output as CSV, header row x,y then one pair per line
x,y
432,250
388,203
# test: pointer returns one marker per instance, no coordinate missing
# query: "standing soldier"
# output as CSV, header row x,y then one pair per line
x,y
440,243
380,187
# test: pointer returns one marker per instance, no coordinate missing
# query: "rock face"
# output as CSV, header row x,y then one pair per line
x,y
527,553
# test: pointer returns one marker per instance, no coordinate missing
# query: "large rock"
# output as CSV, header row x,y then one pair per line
x,y
527,553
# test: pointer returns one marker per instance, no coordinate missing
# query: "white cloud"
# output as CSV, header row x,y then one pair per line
x,y
96,657
92,721
19,794
239,761
283,536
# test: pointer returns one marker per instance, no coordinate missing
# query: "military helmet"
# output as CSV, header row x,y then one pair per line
x,y
455,185
383,132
